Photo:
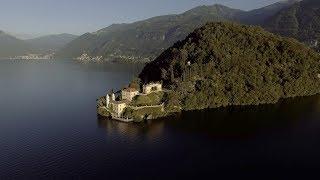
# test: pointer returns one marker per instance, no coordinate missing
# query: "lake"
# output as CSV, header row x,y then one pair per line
x,y
49,129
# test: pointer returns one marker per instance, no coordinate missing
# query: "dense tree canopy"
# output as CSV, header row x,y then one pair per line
x,y
224,64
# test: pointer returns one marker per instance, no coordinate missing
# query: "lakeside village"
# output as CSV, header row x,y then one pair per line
x,y
130,104
84,57
34,57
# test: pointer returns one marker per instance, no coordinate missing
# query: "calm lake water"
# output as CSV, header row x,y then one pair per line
x,y
49,129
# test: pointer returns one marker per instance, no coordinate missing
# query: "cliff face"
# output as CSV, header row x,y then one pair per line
x,y
224,64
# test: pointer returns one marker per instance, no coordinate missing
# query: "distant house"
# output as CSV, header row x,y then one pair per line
x,y
152,87
129,93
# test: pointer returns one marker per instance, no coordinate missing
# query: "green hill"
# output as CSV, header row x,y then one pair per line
x,y
223,64
301,21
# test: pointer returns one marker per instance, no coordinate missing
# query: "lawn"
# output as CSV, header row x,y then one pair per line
x,y
152,99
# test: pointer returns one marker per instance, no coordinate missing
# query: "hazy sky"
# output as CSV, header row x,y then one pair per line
x,y
40,17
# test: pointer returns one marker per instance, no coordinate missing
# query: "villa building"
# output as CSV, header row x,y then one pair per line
x,y
152,87
118,107
129,94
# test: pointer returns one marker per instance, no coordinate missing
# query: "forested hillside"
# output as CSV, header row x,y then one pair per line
x,y
223,64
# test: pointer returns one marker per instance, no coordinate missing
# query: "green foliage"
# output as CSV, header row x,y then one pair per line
x,y
135,83
102,111
148,100
172,101
138,115
234,64
101,102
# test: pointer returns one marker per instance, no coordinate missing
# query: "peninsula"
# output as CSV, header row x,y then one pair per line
x,y
218,65
130,104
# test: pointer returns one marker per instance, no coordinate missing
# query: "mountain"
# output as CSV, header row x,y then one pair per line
x,y
11,46
259,16
50,42
144,40
222,64
300,21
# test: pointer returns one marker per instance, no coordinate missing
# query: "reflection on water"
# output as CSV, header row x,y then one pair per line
x,y
151,130
231,122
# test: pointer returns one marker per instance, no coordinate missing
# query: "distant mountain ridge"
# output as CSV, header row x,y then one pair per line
x,y
259,16
300,21
146,39
50,42
11,46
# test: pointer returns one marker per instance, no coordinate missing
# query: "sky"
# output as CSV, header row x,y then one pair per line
x,y
41,17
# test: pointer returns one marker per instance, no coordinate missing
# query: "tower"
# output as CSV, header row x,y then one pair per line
x,y
107,100
113,97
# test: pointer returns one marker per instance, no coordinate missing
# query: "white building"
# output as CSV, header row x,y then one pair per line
x,y
118,107
107,101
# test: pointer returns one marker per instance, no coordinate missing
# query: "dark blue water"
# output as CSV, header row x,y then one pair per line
x,y
49,129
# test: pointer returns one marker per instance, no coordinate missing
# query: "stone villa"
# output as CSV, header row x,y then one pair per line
x,y
127,95
119,106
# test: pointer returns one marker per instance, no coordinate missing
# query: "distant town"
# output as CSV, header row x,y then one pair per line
x,y
34,57
86,57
